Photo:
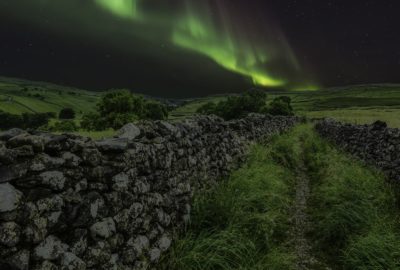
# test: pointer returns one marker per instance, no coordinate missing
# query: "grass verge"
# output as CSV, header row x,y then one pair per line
x,y
245,222
242,223
354,211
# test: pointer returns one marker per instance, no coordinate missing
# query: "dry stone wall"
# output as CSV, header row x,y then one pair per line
x,y
68,202
376,144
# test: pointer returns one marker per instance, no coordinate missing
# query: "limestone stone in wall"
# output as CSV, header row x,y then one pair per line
x,y
68,202
376,144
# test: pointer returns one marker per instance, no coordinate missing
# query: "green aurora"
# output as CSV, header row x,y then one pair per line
x,y
195,29
214,30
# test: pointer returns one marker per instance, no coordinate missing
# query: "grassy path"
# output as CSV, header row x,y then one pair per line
x,y
298,203
301,223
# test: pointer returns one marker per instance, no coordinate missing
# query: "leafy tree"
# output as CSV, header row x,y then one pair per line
x,y
117,120
280,106
237,106
118,108
155,111
66,113
93,122
112,102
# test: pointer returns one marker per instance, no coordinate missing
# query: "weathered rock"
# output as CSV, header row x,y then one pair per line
x,y
44,161
103,229
97,255
91,156
53,179
6,135
139,244
7,156
37,142
71,159
50,249
69,261
121,182
164,243
113,145
9,234
36,230
46,265
54,203
10,198
12,172
155,255
20,260
129,131
78,242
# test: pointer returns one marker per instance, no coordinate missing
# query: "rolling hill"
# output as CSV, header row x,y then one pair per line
x,y
18,96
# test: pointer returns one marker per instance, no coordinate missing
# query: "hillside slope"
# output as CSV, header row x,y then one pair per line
x,y
18,96
357,104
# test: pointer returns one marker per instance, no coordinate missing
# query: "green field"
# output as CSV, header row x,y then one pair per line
x,y
355,104
19,96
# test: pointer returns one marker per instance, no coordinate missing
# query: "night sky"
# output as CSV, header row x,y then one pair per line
x,y
183,48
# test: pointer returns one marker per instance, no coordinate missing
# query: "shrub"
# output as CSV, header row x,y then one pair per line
x,y
280,106
35,120
8,120
24,121
233,107
67,113
65,126
118,120
120,102
156,111
93,122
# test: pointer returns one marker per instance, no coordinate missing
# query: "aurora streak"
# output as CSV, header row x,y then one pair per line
x,y
212,32
215,39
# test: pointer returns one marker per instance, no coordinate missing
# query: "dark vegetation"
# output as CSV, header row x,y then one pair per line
x,y
66,113
117,108
245,222
242,223
24,121
253,101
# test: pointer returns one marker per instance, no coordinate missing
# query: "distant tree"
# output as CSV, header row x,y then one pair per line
x,y
252,101
280,106
155,111
118,108
115,102
118,120
66,113
93,122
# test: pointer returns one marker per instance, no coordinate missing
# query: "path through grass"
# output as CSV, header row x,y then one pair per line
x,y
298,203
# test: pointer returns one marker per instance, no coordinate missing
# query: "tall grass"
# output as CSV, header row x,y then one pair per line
x,y
243,222
353,210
